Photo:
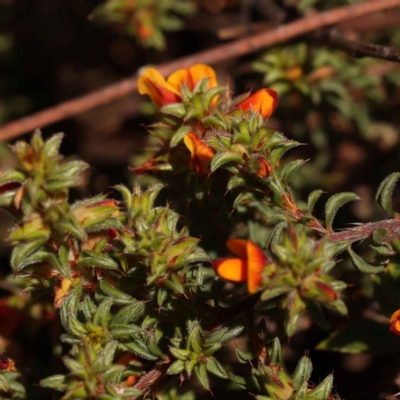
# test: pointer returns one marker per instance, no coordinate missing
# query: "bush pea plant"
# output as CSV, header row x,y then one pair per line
x,y
222,263
154,303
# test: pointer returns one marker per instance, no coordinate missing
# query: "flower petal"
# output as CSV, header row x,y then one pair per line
x,y
193,75
256,261
263,101
161,92
231,269
178,78
200,71
395,316
265,168
238,247
395,327
200,153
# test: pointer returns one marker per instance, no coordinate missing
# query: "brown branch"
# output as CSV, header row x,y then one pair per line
x,y
154,376
359,49
212,56
364,231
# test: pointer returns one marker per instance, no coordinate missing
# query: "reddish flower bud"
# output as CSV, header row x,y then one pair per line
x,y
264,101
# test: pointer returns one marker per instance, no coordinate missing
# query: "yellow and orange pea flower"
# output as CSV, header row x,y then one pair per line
x,y
263,101
200,154
247,267
162,92
395,323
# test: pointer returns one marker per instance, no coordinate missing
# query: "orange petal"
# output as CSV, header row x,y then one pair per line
x,y
200,71
263,101
265,169
178,78
192,76
395,327
200,153
231,269
161,92
256,261
396,315
238,247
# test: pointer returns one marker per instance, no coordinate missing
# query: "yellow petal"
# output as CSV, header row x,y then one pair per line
x,y
231,269
192,76
200,71
155,86
190,141
256,261
179,77
238,247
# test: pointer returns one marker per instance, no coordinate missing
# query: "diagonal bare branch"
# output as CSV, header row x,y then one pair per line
x,y
213,56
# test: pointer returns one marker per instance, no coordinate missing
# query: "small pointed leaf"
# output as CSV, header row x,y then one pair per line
x,y
363,266
334,203
385,191
312,199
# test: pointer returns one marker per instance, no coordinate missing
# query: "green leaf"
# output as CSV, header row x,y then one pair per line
x,y
52,145
334,203
323,390
117,296
363,266
276,357
224,158
140,349
214,366
129,313
202,376
302,372
63,266
108,352
89,258
211,94
125,330
102,313
243,356
275,236
179,135
289,169
379,235
56,382
243,198
312,199
21,252
176,109
176,367
385,191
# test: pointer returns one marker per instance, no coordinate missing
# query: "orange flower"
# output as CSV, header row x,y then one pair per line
x,y
263,101
164,92
395,323
200,153
246,268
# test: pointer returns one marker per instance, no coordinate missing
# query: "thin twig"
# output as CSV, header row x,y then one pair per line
x,y
356,48
212,56
364,231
